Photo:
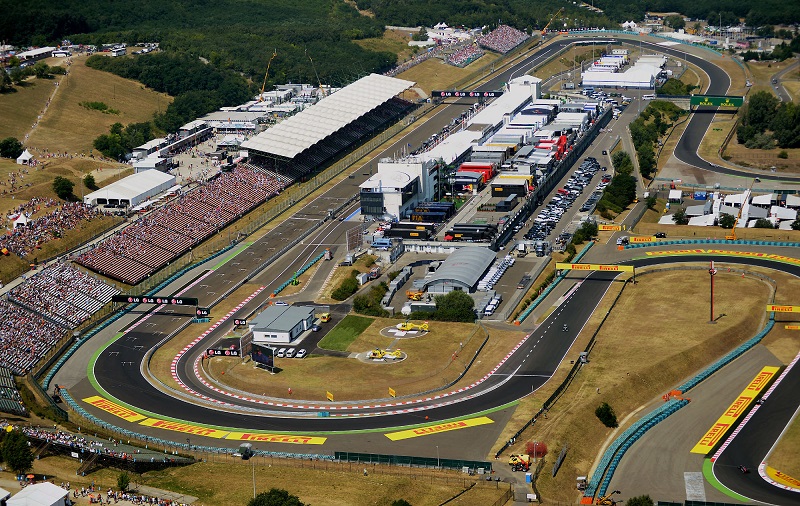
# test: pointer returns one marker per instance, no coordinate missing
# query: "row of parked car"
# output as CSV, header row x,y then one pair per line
x,y
290,353
494,273
549,216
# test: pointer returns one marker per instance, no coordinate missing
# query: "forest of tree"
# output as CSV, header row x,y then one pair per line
x,y
228,33
766,12
767,122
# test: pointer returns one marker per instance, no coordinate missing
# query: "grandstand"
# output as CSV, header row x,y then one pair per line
x,y
10,400
503,39
168,232
314,137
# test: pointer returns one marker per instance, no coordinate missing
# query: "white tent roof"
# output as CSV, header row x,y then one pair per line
x,y
763,200
666,220
706,220
298,133
4,494
734,200
24,157
39,494
785,225
783,213
793,200
134,188
675,195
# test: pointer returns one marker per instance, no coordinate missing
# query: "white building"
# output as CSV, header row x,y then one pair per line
x,y
281,324
399,186
40,494
133,189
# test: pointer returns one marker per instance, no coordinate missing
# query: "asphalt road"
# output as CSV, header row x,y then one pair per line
x,y
780,90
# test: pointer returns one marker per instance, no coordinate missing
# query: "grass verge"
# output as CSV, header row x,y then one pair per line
x,y
345,332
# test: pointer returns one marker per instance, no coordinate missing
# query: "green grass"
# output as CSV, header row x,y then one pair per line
x,y
345,332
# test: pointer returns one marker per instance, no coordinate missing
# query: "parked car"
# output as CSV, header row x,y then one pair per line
x,y
281,353
290,353
661,235
301,353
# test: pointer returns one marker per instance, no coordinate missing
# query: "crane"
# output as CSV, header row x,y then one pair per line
x,y
321,89
607,500
261,95
732,235
544,30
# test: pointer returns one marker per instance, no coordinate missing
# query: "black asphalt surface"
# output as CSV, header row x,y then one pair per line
x,y
118,367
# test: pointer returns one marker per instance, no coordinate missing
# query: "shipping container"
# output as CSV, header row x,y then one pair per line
x,y
429,216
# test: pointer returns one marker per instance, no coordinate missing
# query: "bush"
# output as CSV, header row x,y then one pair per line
x,y
783,154
640,500
727,220
89,182
63,188
123,481
370,303
763,223
348,287
680,217
536,449
605,414
10,147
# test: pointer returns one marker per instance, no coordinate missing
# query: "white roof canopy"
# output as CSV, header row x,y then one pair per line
x,y
134,188
310,126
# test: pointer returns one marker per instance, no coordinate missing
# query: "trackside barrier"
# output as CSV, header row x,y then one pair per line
x,y
714,241
179,446
408,461
116,316
564,384
610,458
552,285
299,272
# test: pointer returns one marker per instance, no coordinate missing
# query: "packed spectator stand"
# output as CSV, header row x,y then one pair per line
x,y
63,294
22,240
10,400
38,312
166,233
464,55
502,39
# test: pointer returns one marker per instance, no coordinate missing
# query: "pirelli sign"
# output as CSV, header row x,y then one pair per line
x,y
561,266
782,309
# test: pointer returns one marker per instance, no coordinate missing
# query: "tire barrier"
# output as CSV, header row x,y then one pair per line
x,y
300,272
552,285
608,464
613,455
714,241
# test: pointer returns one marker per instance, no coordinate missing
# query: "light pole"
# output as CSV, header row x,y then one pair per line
x,y
712,272
253,461
535,444
437,457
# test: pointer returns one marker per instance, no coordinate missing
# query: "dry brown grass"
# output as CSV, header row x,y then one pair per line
x,y
434,74
676,231
793,87
19,108
433,361
314,483
393,41
784,457
634,362
68,126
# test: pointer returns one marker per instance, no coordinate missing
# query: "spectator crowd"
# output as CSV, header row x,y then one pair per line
x,y
38,312
502,39
464,55
24,238
167,232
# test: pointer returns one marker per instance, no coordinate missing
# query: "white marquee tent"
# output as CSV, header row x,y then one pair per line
x,y
133,189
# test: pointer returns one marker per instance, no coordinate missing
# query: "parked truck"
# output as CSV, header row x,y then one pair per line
x,y
519,462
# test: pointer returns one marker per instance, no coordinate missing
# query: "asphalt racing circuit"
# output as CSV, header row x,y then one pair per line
x,y
116,368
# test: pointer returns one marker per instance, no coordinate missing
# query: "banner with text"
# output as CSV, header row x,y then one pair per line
x,y
736,410
561,266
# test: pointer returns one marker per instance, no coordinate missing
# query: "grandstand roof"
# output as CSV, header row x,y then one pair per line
x,y
464,266
310,126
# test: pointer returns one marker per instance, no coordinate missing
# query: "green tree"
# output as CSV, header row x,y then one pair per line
x,y
605,414
675,22
63,188
422,34
275,497
727,220
41,70
651,202
639,500
10,147
680,217
796,224
5,81
647,160
16,452
89,182
455,306
123,481
763,223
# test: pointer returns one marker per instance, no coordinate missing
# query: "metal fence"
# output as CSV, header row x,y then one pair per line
x,y
474,466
